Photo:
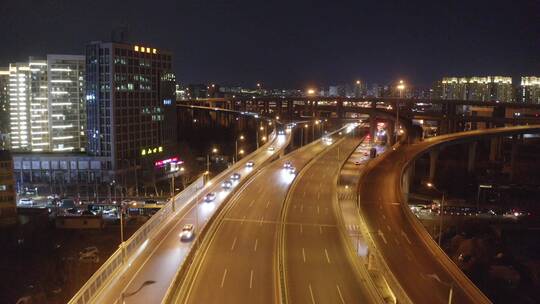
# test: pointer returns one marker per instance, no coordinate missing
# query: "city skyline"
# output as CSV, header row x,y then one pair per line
x,y
300,44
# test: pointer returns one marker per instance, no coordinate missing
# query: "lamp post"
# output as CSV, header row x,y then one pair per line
x,y
236,146
441,210
214,151
400,87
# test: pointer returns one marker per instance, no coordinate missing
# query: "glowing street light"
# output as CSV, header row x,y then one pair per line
x,y
311,92
441,209
400,87
236,147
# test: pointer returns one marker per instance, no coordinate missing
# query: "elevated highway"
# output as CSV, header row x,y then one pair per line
x,y
423,270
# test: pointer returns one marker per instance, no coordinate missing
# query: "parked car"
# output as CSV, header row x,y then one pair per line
x,y
26,201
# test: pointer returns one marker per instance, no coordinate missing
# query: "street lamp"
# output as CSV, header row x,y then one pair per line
x,y
400,87
236,147
311,92
214,151
441,209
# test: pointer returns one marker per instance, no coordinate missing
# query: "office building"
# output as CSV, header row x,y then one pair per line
x,y
8,206
529,90
46,104
4,108
131,111
488,88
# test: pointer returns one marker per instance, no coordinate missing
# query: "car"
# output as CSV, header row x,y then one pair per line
x,y
281,132
292,170
26,201
187,232
226,185
210,197
287,165
271,148
89,255
250,164
150,201
236,176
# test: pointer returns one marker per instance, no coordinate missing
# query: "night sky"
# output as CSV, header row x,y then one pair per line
x,y
292,43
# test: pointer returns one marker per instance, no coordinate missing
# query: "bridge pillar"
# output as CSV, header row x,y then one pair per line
x,y
407,180
513,155
472,157
279,107
433,157
339,109
495,148
314,107
390,130
243,105
372,126
290,108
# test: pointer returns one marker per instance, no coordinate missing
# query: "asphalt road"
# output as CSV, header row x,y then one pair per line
x,y
318,269
161,257
238,265
420,273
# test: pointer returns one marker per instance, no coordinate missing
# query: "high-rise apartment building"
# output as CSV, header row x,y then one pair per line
x,y
4,108
529,90
489,88
66,102
8,207
46,100
131,109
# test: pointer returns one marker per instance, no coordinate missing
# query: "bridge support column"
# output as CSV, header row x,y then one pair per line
x,y
390,130
279,106
339,109
266,107
407,180
472,157
290,109
513,155
494,151
433,157
372,126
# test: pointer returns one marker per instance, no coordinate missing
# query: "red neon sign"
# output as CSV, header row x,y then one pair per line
x,y
163,162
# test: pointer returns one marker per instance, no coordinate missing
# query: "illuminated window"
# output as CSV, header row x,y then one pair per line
x,y
142,49
148,50
154,51
136,48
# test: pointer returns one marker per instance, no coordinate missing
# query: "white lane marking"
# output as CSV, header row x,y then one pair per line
x,y
318,210
251,279
388,227
327,257
406,237
267,204
304,254
301,229
311,293
384,217
340,295
243,219
223,277
320,229
251,204
256,243
261,221
301,208
304,193
397,241
233,244
382,236
318,195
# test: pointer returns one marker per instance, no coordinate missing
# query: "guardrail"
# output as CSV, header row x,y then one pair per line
x,y
129,249
182,271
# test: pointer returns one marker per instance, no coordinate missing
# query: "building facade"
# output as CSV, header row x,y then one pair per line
x,y
46,104
8,206
529,90
131,109
489,88
4,108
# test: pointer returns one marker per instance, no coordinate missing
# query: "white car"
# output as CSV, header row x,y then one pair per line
x,y
281,132
271,148
235,176
250,164
226,185
210,197
287,165
292,170
26,201
89,255
187,232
